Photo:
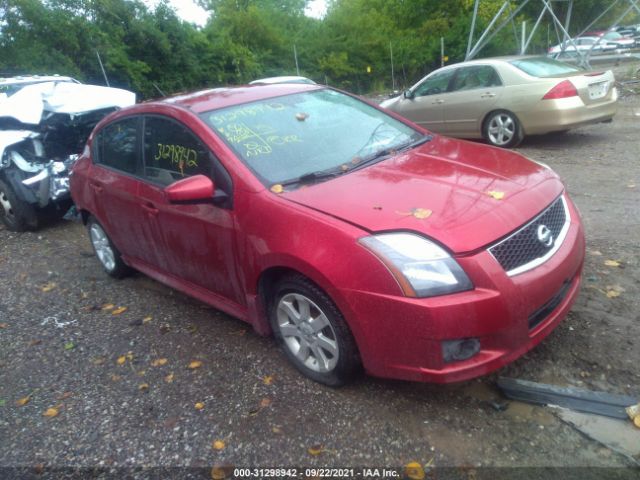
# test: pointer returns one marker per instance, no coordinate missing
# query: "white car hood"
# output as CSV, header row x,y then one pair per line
x,y
28,104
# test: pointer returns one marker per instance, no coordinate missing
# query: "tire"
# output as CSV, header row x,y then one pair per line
x,y
502,129
16,214
321,346
108,255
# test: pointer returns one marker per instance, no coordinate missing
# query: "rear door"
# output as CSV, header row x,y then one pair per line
x,y
473,93
197,241
114,183
425,106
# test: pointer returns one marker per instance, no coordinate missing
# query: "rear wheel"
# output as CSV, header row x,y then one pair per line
x,y
106,251
16,214
502,129
312,332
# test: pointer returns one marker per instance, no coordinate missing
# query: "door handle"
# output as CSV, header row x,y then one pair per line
x,y
96,186
150,208
488,95
438,102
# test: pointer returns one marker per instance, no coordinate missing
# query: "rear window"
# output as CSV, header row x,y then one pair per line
x,y
543,67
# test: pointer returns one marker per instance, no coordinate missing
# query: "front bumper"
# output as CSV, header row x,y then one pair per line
x,y
402,337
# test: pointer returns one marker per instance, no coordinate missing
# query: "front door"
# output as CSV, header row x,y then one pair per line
x,y
197,240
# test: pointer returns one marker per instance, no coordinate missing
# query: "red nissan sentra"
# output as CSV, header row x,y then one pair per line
x,y
354,236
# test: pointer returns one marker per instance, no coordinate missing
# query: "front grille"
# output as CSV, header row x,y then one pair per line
x,y
524,250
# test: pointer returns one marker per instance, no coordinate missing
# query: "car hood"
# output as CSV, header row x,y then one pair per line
x,y
461,194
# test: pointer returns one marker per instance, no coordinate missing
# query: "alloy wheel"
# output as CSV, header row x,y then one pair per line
x,y
502,129
102,247
307,332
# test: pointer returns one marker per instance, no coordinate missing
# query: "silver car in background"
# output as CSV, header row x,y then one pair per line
x,y
503,99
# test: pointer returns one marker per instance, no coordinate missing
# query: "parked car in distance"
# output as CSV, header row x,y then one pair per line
x,y
583,45
285,79
615,38
504,99
354,236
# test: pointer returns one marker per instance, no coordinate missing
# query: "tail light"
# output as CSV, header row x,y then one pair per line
x,y
564,89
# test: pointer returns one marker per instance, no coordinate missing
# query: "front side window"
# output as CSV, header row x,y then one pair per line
x,y
291,136
436,83
172,152
117,146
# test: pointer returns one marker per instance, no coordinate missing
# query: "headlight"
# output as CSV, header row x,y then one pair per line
x,y
422,268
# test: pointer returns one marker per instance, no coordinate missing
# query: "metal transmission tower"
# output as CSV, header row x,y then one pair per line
x,y
506,15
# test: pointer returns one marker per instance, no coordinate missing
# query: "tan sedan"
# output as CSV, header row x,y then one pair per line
x,y
504,99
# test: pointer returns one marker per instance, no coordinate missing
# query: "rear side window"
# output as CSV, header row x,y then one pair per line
x,y
478,76
117,147
543,67
172,152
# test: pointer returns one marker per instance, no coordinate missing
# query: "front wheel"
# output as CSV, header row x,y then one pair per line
x,y
312,332
502,129
16,214
106,251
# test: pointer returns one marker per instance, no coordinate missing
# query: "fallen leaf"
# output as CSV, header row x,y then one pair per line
x,y
254,411
108,306
613,293
636,421
129,356
277,188
220,472
147,319
141,373
265,402
612,263
121,360
268,380
195,364
38,468
218,445
169,378
414,471
199,406
3,402
23,401
344,168
69,346
98,360
276,430
65,395
377,207
421,213
51,412
48,287
597,253
115,378
496,194
192,329
315,450
4,325
35,342
301,116
119,310
159,362
143,387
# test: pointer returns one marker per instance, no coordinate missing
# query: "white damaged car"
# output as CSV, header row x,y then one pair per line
x,y
44,124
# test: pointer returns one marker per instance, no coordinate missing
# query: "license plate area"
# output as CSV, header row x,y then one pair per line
x,y
598,90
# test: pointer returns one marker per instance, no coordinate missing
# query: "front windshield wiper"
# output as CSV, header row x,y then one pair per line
x,y
313,177
385,152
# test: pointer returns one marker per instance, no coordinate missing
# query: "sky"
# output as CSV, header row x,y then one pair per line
x,y
190,12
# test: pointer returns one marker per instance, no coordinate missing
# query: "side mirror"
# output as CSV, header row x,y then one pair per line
x,y
408,94
191,190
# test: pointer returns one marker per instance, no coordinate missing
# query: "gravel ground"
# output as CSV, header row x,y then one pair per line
x,y
121,384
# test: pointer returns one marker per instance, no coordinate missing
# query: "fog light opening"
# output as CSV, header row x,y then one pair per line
x,y
461,349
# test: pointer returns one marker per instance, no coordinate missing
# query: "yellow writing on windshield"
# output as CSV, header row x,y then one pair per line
x,y
255,143
252,111
178,155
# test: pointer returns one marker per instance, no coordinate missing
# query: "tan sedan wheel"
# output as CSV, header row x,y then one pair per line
x,y
502,129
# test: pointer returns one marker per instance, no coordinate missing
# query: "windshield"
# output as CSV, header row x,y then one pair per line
x,y
543,67
288,137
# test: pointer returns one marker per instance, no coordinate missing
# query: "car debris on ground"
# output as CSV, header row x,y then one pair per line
x,y
44,124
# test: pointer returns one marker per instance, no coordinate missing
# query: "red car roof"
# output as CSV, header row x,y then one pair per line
x,y
215,98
